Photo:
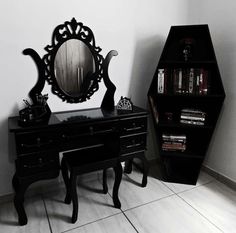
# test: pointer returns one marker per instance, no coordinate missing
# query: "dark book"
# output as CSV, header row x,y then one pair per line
x,y
203,82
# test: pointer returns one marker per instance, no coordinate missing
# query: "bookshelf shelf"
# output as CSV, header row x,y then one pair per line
x,y
186,155
166,124
186,96
189,63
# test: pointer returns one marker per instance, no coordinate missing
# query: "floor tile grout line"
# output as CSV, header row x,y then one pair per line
x,y
163,182
100,219
80,225
125,215
149,202
200,212
129,221
174,193
45,207
158,199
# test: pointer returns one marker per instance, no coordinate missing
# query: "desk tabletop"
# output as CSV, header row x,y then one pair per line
x,y
81,116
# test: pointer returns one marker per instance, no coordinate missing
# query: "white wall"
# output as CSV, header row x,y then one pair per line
x,y
221,18
136,29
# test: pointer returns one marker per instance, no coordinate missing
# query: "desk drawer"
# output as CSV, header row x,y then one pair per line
x,y
35,141
133,126
132,144
37,163
74,132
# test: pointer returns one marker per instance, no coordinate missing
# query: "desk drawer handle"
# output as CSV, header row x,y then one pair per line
x,y
74,136
104,131
134,128
91,132
38,144
39,165
134,145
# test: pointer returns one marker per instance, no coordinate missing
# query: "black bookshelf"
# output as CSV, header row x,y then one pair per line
x,y
186,96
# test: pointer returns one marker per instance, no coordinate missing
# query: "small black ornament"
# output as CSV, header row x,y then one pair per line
x,y
124,104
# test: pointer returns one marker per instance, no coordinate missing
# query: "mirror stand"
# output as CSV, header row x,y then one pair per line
x,y
73,66
108,99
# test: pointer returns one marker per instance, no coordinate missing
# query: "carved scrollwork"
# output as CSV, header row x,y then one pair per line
x,y
62,33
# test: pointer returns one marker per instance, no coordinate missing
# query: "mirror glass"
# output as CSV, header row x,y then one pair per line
x,y
73,66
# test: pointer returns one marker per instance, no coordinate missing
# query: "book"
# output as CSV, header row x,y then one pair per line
x,y
161,81
172,137
203,82
194,118
178,81
191,81
173,147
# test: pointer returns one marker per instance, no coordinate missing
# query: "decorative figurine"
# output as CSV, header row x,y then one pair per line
x,y
124,104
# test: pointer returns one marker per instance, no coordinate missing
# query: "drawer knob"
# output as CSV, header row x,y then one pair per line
x,y
91,130
38,141
38,144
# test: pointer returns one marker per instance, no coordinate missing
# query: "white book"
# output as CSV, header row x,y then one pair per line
x,y
160,81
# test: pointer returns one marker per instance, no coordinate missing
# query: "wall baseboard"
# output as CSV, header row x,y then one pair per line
x,y
223,179
6,198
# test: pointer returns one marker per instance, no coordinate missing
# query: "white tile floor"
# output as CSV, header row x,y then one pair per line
x,y
160,207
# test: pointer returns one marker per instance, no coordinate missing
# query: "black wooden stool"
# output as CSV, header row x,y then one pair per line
x,y
97,157
128,168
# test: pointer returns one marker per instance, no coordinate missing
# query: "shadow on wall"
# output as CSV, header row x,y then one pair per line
x,y
7,152
147,54
213,141
11,152
146,57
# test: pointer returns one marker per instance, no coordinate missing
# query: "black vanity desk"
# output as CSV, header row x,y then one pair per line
x,y
38,146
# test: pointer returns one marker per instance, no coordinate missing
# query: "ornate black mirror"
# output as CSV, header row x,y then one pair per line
x,y
73,66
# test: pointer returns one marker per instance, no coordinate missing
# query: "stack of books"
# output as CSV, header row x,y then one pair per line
x,y
171,142
192,116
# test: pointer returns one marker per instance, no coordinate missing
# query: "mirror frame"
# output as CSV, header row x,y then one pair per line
x,y
62,33
45,66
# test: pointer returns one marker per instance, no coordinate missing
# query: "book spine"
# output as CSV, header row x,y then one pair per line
x,y
178,79
160,81
205,85
191,122
173,137
197,81
191,110
193,118
191,80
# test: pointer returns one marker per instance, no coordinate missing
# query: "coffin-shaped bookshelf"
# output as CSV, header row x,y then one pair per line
x,y
185,97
